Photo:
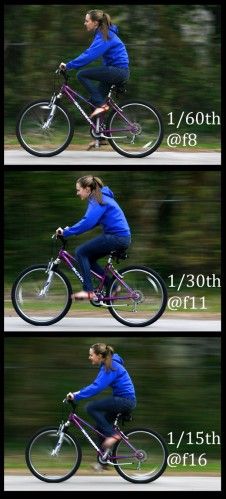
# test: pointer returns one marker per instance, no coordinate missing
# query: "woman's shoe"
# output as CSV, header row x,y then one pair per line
x,y
101,109
92,145
100,467
84,295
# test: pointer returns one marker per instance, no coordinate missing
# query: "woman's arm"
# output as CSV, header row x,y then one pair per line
x,y
102,381
89,221
96,50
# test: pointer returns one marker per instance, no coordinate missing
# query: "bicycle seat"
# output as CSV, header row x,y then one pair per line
x,y
119,255
120,88
125,416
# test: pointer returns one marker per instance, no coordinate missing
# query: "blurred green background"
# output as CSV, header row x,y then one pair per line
x,y
174,218
177,383
174,55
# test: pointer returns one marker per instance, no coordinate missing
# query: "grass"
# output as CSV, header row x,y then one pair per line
x,y
198,461
204,302
205,141
15,463
212,468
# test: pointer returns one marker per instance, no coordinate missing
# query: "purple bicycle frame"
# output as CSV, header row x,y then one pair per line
x,y
69,260
77,421
72,95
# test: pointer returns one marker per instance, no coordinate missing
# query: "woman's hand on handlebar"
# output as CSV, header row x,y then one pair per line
x,y
62,66
70,396
59,231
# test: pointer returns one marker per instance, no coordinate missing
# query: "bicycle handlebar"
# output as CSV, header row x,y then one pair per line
x,y
70,402
62,72
62,238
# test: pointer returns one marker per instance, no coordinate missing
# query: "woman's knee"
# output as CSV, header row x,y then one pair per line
x,y
80,251
80,75
90,407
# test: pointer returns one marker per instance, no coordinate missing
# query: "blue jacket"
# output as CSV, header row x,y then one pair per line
x,y
109,215
113,51
117,378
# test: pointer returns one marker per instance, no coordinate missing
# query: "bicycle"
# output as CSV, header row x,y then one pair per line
x,y
135,295
54,455
45,128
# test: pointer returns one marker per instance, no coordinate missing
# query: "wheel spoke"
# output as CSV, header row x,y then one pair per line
x,y
146,300
41,133
144,130
144,459
50,462
41,298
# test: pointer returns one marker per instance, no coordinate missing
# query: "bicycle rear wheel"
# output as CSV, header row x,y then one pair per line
x,y
143,459
137,134
41,298
142,301
42,134
51,463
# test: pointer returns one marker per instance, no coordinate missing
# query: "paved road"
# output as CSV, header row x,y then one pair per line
x,y
107,324
21,157
113,483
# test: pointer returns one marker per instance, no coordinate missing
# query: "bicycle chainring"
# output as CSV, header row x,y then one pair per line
x,y
97,135
96,303
104,461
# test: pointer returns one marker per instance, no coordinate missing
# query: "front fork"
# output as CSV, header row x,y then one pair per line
x,y
50,273
53,107
60,432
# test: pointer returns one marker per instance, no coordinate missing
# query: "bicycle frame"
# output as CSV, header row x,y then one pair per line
x,y
72,96
70,262
78,422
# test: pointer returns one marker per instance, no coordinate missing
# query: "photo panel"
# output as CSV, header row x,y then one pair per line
x,y
174,432
135,85
168,279
112,211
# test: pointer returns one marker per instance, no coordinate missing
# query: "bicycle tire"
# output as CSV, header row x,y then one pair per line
x,y
138,478
161,308
36,322
44,102
41,476
150,150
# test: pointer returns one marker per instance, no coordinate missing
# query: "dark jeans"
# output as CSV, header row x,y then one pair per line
x,y
107,76
88,253
104,412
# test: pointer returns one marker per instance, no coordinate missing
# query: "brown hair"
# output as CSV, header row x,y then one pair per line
x,y
106,351
95,184
103,19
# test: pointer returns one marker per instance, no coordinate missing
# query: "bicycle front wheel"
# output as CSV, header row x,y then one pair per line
x,y
142,298
40,297
44,130
50,460
138,132
143,458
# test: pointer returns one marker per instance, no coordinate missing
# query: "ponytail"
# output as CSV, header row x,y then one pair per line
x,y
104,21
95,184
106,351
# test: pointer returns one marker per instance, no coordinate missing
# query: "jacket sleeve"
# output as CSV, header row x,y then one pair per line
x,y
96,50
88,222
102,381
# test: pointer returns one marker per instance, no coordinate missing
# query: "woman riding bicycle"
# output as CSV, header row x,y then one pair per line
x,y
115,67
112,373
102,210
106,43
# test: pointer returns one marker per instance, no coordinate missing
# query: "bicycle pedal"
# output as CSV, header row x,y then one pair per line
x,y
106,455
